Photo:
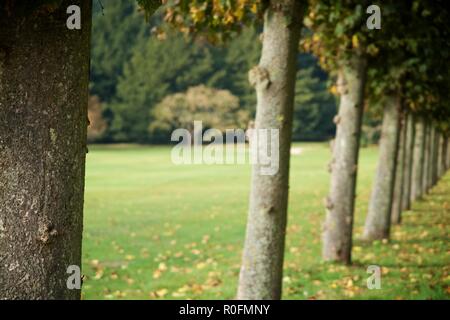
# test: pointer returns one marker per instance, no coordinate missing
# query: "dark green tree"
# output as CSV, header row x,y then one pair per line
x,y
157,68
117,27
315,106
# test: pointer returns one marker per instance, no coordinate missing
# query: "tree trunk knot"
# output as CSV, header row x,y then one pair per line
x,y
261,37
337,119
348,219
341,86
46,231
270,210
330,165
329,203
259,77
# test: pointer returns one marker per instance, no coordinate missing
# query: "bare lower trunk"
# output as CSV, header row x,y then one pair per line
x,y
447,153
429,182
426,158
338,226
408,165
274,80
44,76
419,153
435,157
440,168
378,219
444,157
397,205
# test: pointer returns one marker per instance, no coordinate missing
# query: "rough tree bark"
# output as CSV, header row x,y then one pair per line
x,y
408,165
435,157
419,153
426,157
440,169
397,200
378,220
44,76
338,226
447,154
274,81
431,137
444,163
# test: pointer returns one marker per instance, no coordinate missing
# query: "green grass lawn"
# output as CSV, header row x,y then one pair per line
x,y
154,230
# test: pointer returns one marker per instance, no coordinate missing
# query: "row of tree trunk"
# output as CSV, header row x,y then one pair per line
x,y
394,185
413,156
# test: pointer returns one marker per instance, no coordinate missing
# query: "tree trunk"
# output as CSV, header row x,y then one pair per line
x,y
429,182
419,153
408,165
274,81
44,77
435,157
440,169
378,219
397,205
338,226
444,163
447,153
426,158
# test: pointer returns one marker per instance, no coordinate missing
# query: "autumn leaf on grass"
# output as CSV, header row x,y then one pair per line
x,y
197,288
129,257
205,239
95,263
158,272
159,293
178,294
349,283
349,293
294,250
317,282
213,280
98,274
144,253
119,294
